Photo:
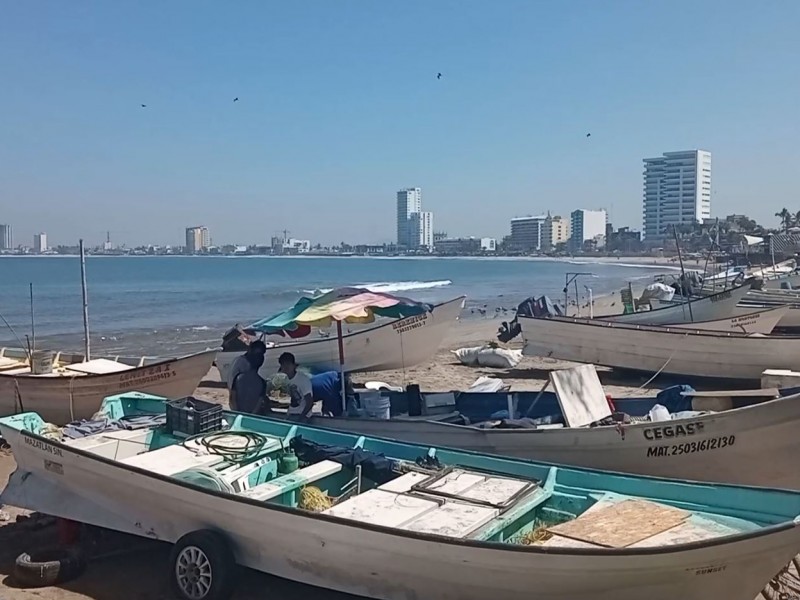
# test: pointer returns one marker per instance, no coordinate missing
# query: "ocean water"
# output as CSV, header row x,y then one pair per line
x,y
173,305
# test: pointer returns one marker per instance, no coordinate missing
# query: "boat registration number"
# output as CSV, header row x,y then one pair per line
x,y
691,447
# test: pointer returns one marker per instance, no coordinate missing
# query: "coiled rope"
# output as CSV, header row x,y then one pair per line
x,y
235,446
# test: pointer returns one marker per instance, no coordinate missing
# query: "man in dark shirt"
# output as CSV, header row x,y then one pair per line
x,y
249,390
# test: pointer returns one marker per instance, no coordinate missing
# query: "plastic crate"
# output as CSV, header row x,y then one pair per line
x,y
190,416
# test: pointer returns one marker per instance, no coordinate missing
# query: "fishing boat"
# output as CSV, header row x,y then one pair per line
x,y
393,520
753,442
713,307
659,349
388,344
756,321
70,387
765,299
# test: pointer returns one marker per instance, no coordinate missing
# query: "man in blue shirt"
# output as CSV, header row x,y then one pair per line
x,y
327,388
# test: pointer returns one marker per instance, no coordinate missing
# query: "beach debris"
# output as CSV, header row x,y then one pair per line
x,y
488,355
382,385
4,516
488,384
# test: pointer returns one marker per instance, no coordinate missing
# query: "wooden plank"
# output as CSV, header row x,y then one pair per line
x,y
694,529
622,524
580,395
765,392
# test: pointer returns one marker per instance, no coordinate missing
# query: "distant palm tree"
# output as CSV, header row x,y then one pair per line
x,y
786,219
796,219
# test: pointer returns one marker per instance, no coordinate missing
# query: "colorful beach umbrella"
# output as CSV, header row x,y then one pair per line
x,y
348,304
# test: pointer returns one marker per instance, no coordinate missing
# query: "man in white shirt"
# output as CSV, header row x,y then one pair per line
x,y
300,390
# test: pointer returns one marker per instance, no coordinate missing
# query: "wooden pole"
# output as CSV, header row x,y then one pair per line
x,y
33,324
341,365
85,302
683,273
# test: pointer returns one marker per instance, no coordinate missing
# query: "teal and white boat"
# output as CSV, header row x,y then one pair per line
x,y
393,520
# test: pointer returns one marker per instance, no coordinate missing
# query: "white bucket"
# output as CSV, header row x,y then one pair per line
x,y
41,362
375,406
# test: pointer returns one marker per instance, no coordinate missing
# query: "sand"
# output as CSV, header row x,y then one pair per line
x,y
131,568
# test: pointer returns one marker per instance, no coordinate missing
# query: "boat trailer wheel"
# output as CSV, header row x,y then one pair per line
x,y
202,567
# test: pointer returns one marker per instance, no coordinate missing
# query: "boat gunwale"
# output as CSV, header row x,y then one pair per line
x,y
477,544
82,376
695,301
599,322
294,343
635,426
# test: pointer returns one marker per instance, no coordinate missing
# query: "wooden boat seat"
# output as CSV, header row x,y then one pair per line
x,y
171,460
292,481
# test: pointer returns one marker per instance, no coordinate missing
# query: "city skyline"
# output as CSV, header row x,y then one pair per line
x,y
327,125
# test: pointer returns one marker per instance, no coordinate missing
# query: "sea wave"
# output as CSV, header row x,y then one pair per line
x,y
388,287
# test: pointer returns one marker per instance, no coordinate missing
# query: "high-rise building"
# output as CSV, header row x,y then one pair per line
x,y
555,231
421,230
409,201
197,239
677,191
587,225
40,242
527,233
6,238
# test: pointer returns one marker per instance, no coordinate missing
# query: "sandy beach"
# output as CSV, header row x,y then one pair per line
x,y
131,568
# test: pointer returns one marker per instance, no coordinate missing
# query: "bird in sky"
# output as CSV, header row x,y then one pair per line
x,y
588,135
236,99
438,76
144,105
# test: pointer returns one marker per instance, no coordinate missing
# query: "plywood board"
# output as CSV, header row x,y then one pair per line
x,y
622,524
453,519
580,395
694,529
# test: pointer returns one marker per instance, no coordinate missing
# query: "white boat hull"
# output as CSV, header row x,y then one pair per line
x,y
382,563
660,349
60,399
756,445
754,321
709,308
392,345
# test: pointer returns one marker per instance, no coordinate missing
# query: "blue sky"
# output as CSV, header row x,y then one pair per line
x,y
340,107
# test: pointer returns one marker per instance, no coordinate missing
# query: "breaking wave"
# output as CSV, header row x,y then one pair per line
x,y
389,287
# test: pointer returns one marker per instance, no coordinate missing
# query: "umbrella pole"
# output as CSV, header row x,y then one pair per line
x,y
341,365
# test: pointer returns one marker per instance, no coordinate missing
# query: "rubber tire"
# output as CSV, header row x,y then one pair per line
x,y
219,554
49,566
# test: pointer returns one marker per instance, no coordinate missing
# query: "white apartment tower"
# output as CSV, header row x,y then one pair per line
x,y
421,230
40,242
6,238
409,202
677,190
